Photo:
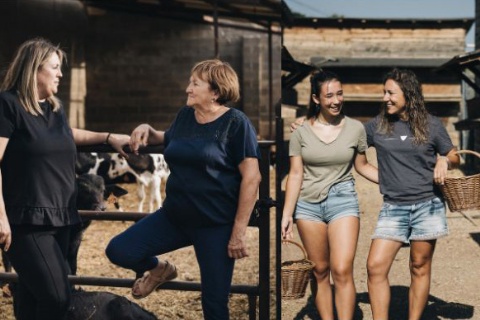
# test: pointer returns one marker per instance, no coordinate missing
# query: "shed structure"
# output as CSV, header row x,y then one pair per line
x,y
361,51
130,60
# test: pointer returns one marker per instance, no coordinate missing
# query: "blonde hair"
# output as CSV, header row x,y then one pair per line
x,y
221,77
22,72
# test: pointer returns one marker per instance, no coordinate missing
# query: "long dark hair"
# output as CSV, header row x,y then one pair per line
x,y
414,105
317,79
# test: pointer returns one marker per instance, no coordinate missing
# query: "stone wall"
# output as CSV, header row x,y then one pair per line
x,y
125,69
138,69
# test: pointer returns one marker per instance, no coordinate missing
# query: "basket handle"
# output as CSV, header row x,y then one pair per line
x,y
298,245
469,152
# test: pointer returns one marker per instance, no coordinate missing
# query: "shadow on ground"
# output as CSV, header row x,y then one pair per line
x,y
476,237
435,308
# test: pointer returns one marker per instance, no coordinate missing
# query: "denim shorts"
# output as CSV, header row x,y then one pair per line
x,y
420,221
341,202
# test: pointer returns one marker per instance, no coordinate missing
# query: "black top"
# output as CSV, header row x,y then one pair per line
x,y
204,183
38,167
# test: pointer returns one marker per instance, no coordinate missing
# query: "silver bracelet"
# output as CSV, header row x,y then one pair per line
x,y
449,164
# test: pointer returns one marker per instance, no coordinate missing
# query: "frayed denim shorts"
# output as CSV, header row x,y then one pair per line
x,y
342,201
420,221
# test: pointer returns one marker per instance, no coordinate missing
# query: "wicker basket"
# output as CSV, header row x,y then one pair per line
x,y
295,275
462,193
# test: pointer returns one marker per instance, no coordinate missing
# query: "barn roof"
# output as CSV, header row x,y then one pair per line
x,y
262,13
295,71
362,23
342,62
460,64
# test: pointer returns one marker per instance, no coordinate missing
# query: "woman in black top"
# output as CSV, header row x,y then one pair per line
x,y
37,185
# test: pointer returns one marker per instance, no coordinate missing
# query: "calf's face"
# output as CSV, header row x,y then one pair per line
x,y
118,166
91,191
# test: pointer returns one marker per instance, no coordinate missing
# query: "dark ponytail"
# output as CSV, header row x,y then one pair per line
x,y
317,79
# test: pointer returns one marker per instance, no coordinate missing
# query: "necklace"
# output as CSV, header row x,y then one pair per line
x,y
326,123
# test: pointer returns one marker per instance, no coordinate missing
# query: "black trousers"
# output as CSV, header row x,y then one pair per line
x,y
38,255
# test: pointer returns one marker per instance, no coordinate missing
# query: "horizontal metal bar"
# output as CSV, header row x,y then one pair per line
x,y
159,148
128,283
112,215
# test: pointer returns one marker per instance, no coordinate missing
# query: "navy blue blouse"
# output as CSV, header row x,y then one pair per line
x,y
204,183
38,167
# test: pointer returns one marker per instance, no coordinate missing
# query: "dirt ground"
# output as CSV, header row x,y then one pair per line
x,y
454,290
455,284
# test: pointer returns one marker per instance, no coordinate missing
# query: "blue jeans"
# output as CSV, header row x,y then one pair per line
x,y
137,247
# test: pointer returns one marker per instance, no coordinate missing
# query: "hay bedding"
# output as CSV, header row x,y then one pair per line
x,y
165,304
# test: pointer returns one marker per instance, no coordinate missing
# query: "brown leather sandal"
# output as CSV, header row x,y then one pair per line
x,y
148,283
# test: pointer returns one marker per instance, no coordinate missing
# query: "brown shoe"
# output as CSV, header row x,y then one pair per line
x,y
145,285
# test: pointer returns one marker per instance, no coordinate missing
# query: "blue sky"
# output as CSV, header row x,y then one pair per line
x,y
389,9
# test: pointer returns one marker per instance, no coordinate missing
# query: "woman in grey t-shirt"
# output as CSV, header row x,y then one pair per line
x,y
414,152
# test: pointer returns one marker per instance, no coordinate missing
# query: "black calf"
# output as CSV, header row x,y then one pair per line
x,y
105,306
91,195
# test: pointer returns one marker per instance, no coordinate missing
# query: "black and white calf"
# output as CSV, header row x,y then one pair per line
x,y
148,169
93,163
99,163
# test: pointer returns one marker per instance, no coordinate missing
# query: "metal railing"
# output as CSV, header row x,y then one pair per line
x,y
260,218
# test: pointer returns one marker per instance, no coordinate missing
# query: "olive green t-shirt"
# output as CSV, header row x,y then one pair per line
x,y
325,164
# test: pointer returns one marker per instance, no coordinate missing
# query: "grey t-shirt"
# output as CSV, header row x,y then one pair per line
x,y
405,169
325,164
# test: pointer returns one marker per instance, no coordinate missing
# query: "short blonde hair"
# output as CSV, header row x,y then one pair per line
x,y
22,73
221,77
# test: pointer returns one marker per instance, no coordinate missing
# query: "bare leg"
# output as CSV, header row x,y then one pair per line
x,y
343,237
380,259
421,254
315,240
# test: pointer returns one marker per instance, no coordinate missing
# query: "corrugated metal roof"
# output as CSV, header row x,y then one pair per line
x,y
378,62
342,23
462,61
260,12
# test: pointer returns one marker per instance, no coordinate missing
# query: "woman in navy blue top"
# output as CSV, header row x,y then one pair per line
x,y
37,179
212,153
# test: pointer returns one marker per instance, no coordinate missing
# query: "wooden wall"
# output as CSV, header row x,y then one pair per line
x,y
363,83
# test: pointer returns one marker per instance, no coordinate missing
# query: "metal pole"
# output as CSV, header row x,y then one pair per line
x,y
215,28
264,236
270,81
279,198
